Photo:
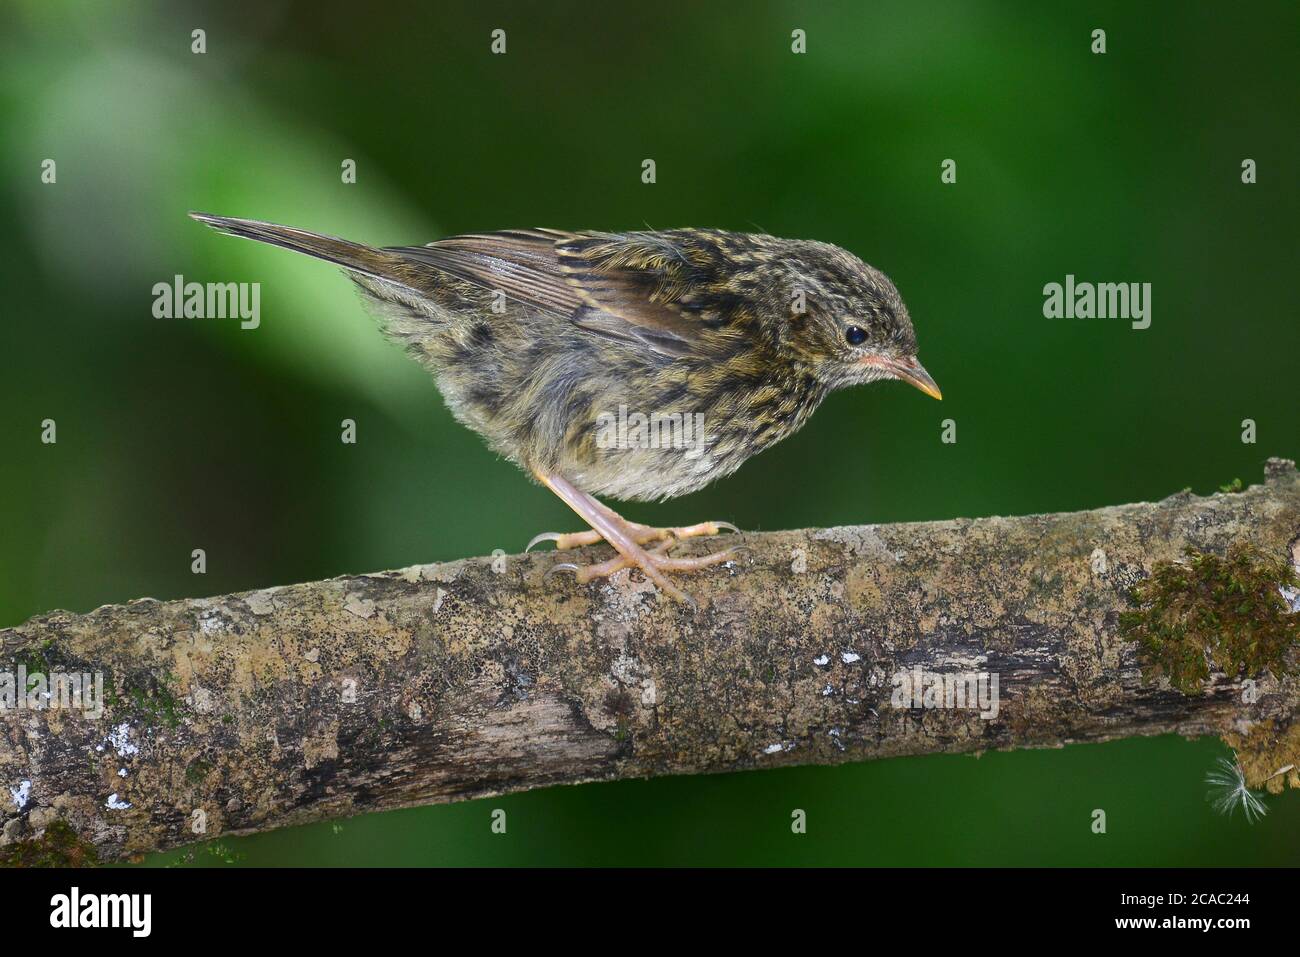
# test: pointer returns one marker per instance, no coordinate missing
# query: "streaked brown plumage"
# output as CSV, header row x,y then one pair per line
x,y
538,338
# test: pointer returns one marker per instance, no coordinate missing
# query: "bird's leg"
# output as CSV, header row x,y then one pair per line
x,y
640,533
585,573
613,531
627,538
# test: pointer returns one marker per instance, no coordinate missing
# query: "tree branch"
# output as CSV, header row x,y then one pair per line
x,y
436,683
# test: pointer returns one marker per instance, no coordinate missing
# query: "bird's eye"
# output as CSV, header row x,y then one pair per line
x,y
855,335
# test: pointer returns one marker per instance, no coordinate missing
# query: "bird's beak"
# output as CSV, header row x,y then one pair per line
x,y
909,370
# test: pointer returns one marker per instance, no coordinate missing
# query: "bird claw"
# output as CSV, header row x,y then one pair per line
x,y
562,567
566,540
539,538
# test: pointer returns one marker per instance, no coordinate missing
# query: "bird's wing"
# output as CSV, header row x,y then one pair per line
x,y
646,288
521,263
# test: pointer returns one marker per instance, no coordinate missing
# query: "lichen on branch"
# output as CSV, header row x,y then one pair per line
x,y
1227,611
246,712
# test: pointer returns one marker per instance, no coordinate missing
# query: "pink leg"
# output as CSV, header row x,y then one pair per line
x,y
627,539
640,533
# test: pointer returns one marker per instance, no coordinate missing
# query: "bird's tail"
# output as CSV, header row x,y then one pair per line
x,y
355,257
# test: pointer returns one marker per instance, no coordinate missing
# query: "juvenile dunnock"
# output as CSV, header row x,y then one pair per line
x,y
638,365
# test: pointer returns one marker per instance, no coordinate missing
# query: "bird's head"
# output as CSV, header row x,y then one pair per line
x,y
847,323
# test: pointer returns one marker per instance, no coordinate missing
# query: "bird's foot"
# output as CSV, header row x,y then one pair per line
x,y
653,563
636,531
627,538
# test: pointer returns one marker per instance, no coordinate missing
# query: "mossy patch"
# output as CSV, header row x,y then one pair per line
x,y
35,658
150,700
1269,754
1210,609
58,846
197,770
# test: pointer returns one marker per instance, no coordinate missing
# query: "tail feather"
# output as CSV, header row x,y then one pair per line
x,y
356,257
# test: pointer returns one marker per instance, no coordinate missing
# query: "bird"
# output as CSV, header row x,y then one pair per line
x,y
636,365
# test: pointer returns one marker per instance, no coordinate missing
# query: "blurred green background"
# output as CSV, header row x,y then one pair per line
x,y
177,434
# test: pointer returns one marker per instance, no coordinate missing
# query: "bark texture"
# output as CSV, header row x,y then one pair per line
x,y
435,683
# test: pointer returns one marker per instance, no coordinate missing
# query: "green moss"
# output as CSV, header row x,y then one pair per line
x,y
149,700
59,846
1211,609
35,658
1233,486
